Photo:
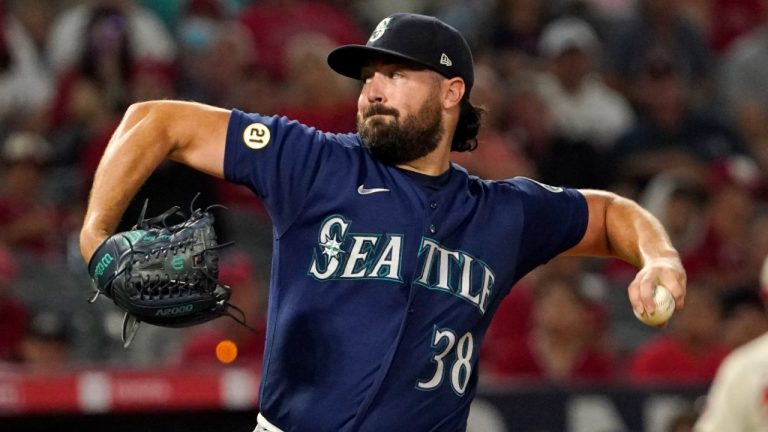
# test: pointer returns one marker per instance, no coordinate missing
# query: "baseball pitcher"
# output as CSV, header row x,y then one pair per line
x,y
389,261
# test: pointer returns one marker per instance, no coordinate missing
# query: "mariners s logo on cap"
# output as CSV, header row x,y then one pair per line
x,y
380,29
422,39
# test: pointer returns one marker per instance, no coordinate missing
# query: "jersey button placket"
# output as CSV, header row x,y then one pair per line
x,y
432,227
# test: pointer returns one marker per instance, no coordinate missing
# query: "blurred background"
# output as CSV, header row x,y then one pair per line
x,y
664,101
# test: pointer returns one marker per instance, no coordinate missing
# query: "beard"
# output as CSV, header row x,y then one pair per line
x,y
395,142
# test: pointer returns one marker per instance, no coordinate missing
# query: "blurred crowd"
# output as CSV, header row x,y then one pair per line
x,y
663,101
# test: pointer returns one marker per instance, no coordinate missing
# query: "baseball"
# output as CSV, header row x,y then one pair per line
x,y
665,307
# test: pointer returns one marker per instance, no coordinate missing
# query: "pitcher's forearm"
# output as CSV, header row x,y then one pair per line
x,y
137,147
621,228
635,235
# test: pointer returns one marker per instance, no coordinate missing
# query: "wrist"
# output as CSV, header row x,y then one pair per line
x,y
664,259
90,239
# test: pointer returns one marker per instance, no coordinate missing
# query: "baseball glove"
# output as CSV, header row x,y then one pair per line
x,y
163,275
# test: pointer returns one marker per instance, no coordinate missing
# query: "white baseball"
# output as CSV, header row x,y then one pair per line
x,y
665,307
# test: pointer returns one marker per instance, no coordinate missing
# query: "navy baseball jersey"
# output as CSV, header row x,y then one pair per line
x,y
384,281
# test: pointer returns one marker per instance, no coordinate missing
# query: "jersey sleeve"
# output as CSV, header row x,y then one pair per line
x,y
554,220
277,158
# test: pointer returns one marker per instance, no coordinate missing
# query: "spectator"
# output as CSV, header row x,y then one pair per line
x,y
218,61
588,116
196,32
517,27
670,132
659,25
514,321
26,82
28,219
724,255
583,107
565,342
690,351
744,317
147,37
743,86
100,78
93,90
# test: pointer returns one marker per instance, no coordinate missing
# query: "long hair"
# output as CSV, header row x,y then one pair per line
x,y
468,126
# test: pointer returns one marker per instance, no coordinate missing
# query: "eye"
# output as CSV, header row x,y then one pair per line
x,y
365,76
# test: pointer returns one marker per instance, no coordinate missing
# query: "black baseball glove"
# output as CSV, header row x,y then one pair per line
x,y
163,275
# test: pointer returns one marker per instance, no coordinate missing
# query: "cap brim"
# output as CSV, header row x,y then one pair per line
x,y
348,60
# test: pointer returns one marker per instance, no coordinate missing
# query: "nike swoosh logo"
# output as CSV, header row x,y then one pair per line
x,y
362,190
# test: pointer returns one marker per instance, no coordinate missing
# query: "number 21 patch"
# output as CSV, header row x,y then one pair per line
x,y
256,136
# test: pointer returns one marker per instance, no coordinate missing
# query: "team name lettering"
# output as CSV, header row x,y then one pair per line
x,y
368,256
343,255
456,273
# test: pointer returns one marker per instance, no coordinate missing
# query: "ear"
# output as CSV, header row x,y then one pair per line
x,y
453,92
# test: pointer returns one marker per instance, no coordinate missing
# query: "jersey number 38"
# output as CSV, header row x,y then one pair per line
x,y
460,369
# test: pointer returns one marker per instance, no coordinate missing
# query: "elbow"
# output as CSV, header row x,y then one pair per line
x,y
143,109
152,117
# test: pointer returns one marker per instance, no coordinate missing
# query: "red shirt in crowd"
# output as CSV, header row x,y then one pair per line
x,y
664,359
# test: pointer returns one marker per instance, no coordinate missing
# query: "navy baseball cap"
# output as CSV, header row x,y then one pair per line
x,y
419,38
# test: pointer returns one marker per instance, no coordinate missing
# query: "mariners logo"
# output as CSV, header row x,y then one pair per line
x,y
379,30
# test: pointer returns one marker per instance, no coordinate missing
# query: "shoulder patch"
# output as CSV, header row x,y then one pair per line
x,y
256,136
554,189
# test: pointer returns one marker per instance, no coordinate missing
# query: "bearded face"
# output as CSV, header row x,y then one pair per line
x,y
395,139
